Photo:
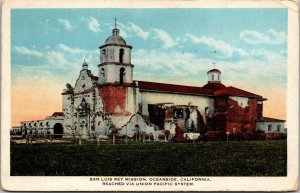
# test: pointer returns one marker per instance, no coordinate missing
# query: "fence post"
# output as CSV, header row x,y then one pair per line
x,y
79,140
126,140
30,139
27,139
98,140
50,138
113,139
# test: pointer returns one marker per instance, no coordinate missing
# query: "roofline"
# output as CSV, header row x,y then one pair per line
x,y
115,63
274,120
214,70
113,44
116,84
259,97
184,93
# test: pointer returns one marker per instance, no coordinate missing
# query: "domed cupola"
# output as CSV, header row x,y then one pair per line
x,y
214,80
115,38
214,76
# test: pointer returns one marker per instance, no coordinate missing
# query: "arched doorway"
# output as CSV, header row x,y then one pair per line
x,y
58,129
137,132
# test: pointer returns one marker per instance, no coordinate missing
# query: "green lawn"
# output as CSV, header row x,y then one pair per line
x,y
247,158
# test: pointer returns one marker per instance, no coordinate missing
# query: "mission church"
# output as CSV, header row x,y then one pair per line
x,y
114,102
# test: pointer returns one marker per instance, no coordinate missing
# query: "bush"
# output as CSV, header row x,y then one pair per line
x,y
215,135
259,135
276,136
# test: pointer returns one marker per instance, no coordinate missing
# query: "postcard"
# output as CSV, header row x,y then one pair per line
x,y
150,95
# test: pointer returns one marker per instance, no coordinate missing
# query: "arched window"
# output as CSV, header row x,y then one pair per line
x,y
218,77
103,57
122,75
102,72
121,54
137,132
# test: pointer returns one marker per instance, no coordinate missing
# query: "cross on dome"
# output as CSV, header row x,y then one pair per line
x,y
115,38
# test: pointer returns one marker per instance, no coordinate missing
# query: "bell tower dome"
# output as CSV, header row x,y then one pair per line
x,y
214,76
214,80
115,60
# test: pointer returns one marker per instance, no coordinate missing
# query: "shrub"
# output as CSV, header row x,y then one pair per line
x,y
215,135
259,135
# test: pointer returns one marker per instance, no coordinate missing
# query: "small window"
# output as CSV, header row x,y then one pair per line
x,y
270,127
121,54
102,72
278,128
122,75
104,52
212,77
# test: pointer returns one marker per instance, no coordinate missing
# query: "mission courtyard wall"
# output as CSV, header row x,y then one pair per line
x,y
205,104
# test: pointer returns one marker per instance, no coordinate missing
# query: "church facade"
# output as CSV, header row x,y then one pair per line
x,y
113,102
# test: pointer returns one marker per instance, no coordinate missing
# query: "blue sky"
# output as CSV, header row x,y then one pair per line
x,y
49,45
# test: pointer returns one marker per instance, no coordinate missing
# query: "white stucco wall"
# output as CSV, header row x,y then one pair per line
x,y
112,54
242,101
42,126
263,126
214,77
68,108
84,82
112,73
178,99
130,128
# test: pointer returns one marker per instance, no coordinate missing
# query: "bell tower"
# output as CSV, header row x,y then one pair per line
x,y
214,76
115,60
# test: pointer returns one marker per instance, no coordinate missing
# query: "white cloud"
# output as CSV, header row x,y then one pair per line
x,y
26,51
123,29
139,31
169,63
72,50
187,68
57,59
93,24
167,40
225,49
66,24
271,37
130,29
268,55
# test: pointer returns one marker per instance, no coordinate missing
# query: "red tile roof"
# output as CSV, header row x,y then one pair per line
x,y
214,86
173,88
56,114
232,91
269,119
214,70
